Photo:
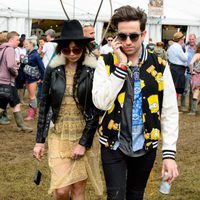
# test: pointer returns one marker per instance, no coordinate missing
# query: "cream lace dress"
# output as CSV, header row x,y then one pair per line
x,y
63,137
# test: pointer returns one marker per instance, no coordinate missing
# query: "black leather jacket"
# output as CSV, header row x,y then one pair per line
x,y
54,84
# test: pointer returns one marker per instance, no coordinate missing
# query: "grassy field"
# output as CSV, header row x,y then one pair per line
x,y
17,166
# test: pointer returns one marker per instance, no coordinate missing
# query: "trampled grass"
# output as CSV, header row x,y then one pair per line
x,y
17,166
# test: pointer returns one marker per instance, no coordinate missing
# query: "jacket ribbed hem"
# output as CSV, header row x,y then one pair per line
x,y
120,73
168,154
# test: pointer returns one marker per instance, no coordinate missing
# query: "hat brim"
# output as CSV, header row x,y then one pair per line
x,y
83,40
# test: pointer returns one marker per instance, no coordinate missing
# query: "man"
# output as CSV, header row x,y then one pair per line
x,y
88,31
150,45
133,86
107,48
46,53
48,47
178,62
191,47
3,113
9,70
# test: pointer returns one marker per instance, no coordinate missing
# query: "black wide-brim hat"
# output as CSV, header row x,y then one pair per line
x,y
72,30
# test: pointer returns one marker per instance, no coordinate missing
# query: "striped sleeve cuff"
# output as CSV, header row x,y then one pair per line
x,y
120,73
168,154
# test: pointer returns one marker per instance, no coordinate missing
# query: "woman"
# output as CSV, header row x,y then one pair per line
x,y
67,100
35,63
21,53
42,41
160,51
195,79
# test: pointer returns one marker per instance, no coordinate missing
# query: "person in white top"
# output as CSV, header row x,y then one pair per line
x,y
178,62
49,47
21,55
107,48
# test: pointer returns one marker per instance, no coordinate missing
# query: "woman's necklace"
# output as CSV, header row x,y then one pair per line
x,y
70,70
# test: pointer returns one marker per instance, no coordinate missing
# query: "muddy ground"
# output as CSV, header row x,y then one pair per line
x,y
17,165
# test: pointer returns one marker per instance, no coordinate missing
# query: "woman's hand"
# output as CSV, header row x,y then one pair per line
x,y
38,151
78,152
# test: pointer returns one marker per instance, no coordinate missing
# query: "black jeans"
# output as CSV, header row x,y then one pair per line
x,y
126,177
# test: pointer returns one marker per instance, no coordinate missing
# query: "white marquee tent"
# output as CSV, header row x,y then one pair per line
x,y
18,14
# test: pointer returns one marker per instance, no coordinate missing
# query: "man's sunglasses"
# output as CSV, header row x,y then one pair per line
x,y
133,36
75,50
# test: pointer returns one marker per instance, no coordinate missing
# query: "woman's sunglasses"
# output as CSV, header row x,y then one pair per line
x,y
75,50
133,36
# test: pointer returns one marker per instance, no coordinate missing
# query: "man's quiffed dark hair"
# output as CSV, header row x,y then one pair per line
x,y
128,13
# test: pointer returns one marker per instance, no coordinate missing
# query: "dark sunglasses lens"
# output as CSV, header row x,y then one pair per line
x,y
75,51
122,36
66,51
134,37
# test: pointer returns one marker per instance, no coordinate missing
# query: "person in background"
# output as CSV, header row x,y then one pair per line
x,y
190,48
169,43
160,51
66,91
3,112
48,47
107,48
150,46
178,62
88,31
8,72
195,79
21,54
34,61
3,37
42,41
133,86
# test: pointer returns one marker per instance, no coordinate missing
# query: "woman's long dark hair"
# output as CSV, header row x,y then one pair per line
x,y
79,67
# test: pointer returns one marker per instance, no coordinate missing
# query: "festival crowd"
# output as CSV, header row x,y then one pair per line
x,y
115,100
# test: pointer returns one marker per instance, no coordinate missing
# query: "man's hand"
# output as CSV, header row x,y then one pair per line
x,y
170,166
121,56
78,152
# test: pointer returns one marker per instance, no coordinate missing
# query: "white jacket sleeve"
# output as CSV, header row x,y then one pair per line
x,y
106,87
169,117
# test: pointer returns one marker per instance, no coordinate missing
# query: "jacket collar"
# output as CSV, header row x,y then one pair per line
x,y
59,59
144,54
